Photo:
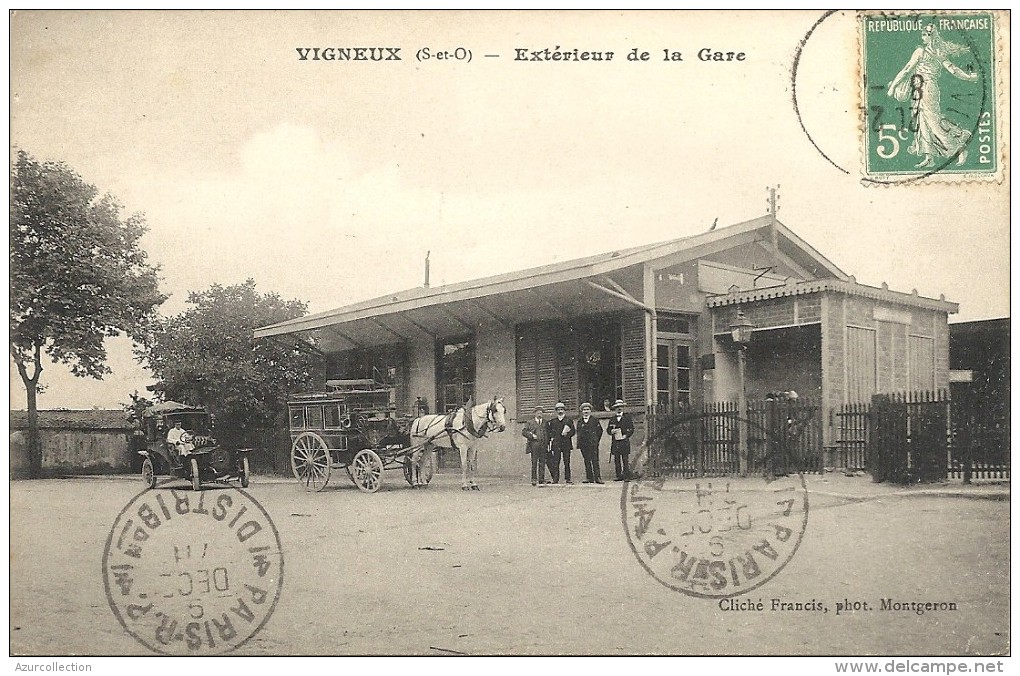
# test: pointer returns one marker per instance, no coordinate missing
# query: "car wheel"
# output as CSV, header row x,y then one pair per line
x,y
148,473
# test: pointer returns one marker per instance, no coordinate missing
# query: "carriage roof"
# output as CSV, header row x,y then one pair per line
x,y
345,391
168,407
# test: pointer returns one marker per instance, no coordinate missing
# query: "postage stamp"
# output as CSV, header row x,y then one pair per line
x,y
714,537
193,573
929,92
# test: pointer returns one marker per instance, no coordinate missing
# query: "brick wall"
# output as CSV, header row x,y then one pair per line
x,y
941,328
833,360
809,308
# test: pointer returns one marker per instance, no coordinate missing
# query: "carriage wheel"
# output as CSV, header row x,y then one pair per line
x,y
245,472
425,472
148,473
309,458
367,470
196,476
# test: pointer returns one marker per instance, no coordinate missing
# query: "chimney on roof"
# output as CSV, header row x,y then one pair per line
x,y
427,253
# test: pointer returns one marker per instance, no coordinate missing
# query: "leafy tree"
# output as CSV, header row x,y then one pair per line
x,y
137,407
206,355
77,277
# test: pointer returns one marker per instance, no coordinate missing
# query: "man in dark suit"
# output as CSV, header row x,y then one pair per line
x,y
538,443
561,432
589,433
621,429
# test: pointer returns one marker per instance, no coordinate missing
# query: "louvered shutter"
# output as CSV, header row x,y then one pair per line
x,y
632,349
527,373
546,369
567,363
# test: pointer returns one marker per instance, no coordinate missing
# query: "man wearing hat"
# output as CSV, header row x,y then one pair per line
x,y
621,429
538,442
561,432
589,433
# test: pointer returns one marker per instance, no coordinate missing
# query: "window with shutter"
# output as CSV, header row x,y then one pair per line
x,y
921,363
860,364
568,362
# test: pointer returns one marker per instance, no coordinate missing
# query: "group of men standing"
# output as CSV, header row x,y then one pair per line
x,y
550,441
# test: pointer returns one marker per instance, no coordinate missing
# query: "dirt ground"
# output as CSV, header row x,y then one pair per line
x,y
514,569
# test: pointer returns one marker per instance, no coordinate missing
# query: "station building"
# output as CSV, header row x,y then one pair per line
x,y
650,325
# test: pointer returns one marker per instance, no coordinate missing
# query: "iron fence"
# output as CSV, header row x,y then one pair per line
x,y
782,436
923,436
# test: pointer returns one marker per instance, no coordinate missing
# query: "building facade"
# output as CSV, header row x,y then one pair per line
x,y
649,325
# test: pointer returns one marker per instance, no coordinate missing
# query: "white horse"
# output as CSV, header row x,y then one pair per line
x,y
461,430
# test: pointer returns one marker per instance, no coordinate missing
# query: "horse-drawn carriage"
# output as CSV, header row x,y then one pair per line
x,y
354,426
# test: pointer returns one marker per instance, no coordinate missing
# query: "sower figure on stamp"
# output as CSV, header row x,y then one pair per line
x,y
621,429
561,432
918,81
538,443
589,433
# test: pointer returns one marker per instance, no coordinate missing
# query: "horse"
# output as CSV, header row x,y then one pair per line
x,y
461,430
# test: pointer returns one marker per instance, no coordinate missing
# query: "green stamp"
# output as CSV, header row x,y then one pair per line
x,y
929,82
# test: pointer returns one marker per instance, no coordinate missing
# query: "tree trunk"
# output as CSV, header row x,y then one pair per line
x,y
31,390
34,447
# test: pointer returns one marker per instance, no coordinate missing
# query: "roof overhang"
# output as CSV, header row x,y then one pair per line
x,y
850,288
402,321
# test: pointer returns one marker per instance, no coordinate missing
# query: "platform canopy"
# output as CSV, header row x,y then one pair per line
x,y
608,282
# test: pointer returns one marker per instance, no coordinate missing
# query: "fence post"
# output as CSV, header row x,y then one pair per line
x,y
963,437
698,435
742,413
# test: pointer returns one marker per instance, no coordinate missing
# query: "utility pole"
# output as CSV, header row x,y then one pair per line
x,y
773,210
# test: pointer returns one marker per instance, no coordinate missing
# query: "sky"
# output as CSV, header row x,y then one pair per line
x,y
328,181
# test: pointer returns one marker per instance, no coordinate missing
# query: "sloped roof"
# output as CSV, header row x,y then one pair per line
x,y
88,419
579,268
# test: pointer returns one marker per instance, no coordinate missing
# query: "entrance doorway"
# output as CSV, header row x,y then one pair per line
x,y
673,374
455,385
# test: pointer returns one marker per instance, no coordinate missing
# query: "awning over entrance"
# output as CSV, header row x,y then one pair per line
x,y
848,287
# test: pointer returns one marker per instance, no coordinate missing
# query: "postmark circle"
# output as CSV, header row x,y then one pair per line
x,y
715,537
193,573
888,125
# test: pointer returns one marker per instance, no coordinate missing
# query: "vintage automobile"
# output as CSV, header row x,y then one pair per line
x,y
203,458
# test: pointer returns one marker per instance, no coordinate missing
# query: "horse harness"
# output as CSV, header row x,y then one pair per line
x,y
469,422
